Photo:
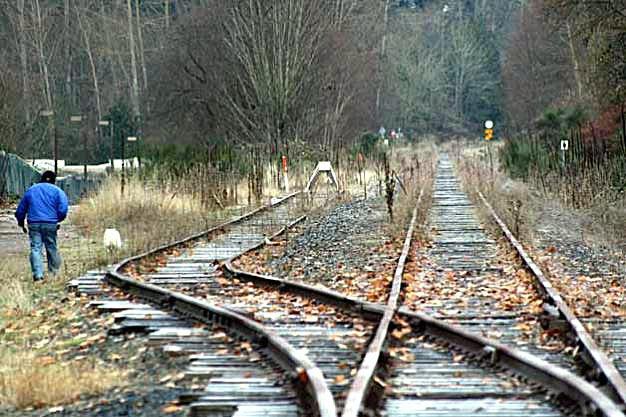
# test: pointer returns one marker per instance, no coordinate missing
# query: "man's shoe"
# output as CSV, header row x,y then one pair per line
x,y
35,279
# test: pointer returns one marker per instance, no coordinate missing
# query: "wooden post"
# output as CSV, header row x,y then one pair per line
x,y
623,127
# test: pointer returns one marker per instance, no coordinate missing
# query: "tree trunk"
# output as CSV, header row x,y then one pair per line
x,y
109,43
43,64
382,56
23,61
142,56
166,5
94,72
570,40
134,91
623,127
68,53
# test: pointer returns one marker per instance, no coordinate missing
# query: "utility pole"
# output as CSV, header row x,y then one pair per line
x,y
52,133
78,119
123,163
110,124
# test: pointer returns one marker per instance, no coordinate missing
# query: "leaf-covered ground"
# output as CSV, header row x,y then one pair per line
x,y
55,355
588,273
64,333
352,250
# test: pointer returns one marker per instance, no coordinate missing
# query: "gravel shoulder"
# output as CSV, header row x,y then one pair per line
x,y
350,249
591,274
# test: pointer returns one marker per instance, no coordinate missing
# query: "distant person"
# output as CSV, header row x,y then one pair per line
x,y
45,206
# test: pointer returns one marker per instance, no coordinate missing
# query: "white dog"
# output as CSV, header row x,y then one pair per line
x,y
112,239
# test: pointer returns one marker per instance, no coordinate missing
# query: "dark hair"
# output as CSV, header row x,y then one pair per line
x,y
49,177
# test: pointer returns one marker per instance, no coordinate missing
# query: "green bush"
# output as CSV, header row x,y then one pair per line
x,y
516,156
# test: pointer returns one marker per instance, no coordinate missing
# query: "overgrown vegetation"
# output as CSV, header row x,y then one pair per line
x,y
150,213
34,317
592,171
28,380
415,167
519,202
512,200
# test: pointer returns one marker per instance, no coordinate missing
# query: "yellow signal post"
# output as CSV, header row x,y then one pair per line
x,y
488,134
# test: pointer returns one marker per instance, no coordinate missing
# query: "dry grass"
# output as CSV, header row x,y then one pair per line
x,y
597,201
519,203
15,285
32,315
146,217
512,200
30,381
17,291
416,166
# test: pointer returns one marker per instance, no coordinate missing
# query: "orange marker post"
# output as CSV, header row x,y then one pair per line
x,y
284,163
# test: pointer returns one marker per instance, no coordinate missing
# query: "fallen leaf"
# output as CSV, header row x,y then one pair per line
x,y
172,408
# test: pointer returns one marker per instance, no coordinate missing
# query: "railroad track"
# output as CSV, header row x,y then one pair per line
x,y
185,278
267,311
483,384
246,373
432,375
435,377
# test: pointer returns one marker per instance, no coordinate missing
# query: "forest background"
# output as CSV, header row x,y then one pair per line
x,y
227,82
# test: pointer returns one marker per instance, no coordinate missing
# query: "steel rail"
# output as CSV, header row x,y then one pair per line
x,y
289,358
561,381
594,356
361,383
306,374
558,380
366,309
325,295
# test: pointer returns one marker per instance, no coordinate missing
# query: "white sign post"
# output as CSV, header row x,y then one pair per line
x,y
564,147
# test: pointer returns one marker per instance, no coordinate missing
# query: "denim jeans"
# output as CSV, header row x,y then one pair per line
x,y
43,234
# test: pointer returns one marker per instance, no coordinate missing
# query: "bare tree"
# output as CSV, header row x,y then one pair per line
x,y
265,73
537,71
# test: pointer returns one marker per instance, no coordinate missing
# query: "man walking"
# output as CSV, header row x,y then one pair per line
x,y
45,205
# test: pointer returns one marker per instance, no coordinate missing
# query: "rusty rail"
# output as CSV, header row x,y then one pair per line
x,y
362,380
597,359
303,371
560,381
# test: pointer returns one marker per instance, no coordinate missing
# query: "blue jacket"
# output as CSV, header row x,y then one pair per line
x,y
44,203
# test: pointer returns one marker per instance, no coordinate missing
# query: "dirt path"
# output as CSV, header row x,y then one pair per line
x,y
14,242
12,239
